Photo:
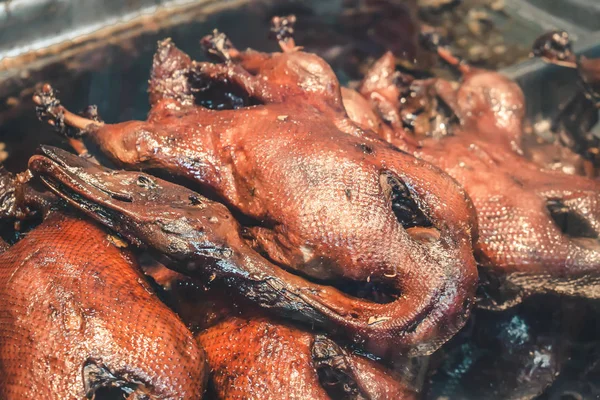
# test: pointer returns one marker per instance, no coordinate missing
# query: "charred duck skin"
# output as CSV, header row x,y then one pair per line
x,y
538,229
78,319
202,238
328,201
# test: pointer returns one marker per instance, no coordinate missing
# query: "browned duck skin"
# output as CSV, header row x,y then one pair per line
x,y
78,320
538,229
330,202
254,357
260,359
203,239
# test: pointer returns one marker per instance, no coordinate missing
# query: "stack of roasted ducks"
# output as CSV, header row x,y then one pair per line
x,y
288,238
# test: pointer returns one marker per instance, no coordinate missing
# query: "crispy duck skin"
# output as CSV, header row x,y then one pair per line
x,y
538,229
256,358
201,238
253,356
78,319
327,200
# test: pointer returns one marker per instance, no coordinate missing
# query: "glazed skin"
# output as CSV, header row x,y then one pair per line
x,y
252,356
201,238
78,318
255,358
323,198
19,200
521,248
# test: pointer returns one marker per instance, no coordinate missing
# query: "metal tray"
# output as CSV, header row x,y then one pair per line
x,y
59,39
583,13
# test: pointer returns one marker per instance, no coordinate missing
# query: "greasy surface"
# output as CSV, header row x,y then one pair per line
x,y
521,247
7,194
203,239
252,356
319,193
74,305
255,359
19,199
260,359
315,192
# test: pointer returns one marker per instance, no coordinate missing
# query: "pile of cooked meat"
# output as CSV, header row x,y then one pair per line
x,y
269,234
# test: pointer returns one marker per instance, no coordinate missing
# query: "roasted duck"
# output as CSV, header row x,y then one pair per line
x,y
298,238
78,320
268,135
538,229
201,238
